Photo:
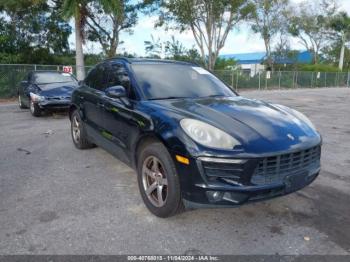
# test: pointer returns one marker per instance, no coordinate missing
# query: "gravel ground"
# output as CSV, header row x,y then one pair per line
x,y
55,199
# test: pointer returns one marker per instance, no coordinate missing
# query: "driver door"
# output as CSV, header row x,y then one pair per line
x,y
118,120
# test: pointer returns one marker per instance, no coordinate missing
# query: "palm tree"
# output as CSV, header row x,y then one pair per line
x,y
341,25
154,47
78,9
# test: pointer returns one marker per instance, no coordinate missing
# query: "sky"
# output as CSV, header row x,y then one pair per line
x,y
240,40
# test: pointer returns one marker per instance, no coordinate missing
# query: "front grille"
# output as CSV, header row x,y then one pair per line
x,y
274,169
222,170
59,98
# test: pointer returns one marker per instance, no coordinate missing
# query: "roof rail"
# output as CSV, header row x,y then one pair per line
x,y
150,60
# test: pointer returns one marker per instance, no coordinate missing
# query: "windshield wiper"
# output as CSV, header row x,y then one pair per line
x,y
54,82
169,97
213,96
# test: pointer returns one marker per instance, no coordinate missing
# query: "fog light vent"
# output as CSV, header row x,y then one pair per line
x,y
235,198
214,196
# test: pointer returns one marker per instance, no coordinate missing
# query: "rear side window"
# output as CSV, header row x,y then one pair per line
x,y
97,78
118,76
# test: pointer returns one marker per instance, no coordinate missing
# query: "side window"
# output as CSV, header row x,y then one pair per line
x,y
89,80
97,78
118,76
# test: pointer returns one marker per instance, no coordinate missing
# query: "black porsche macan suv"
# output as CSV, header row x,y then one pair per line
x,y
193,141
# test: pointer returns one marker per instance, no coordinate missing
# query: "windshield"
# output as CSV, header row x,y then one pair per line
x,y
165,81
53,77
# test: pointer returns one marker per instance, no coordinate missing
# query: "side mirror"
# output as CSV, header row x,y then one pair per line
x,y
116,92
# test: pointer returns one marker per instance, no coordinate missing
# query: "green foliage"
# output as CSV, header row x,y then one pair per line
x,y
173,50
107,19
341,23
311,24
331,54
269,19
222,63
7,58
318,68
30,31
209,20
153,47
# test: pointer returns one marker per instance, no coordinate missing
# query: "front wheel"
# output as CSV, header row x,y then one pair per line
x,y
34,109
158,181
20,103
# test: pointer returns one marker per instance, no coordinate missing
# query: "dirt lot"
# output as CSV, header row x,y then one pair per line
x,y
55,199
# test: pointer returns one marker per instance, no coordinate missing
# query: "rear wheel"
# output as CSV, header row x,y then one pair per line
x,y
78,132
158,181
34,109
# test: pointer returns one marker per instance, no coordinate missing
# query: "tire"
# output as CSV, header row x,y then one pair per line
x,y
20,103
78,132
34,109
157,173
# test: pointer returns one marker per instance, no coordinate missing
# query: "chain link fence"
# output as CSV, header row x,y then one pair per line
x,y
239,80
12,75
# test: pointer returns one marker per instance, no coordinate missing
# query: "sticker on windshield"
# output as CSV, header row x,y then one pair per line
x,y
200,70
65,74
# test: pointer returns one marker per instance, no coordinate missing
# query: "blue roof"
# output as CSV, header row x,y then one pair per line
x,y
247,58
304,57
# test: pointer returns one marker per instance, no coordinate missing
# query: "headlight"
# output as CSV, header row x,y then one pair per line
x,y
207,135
36,98
303,118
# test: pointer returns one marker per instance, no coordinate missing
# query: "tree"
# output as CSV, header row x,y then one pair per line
x,y
268,20
341,25
153,47
332,52
223,63
282,54
192,55
78,9
311,24
105,23
32,31
174,49
210,21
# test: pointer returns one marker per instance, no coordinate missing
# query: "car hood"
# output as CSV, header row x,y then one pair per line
x,y
57,89
257,125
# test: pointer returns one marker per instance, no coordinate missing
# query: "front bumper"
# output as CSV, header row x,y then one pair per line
x,y
208,184
55,104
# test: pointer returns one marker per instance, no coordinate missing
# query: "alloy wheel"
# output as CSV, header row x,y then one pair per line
x,y
154,181
76,129
32,107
